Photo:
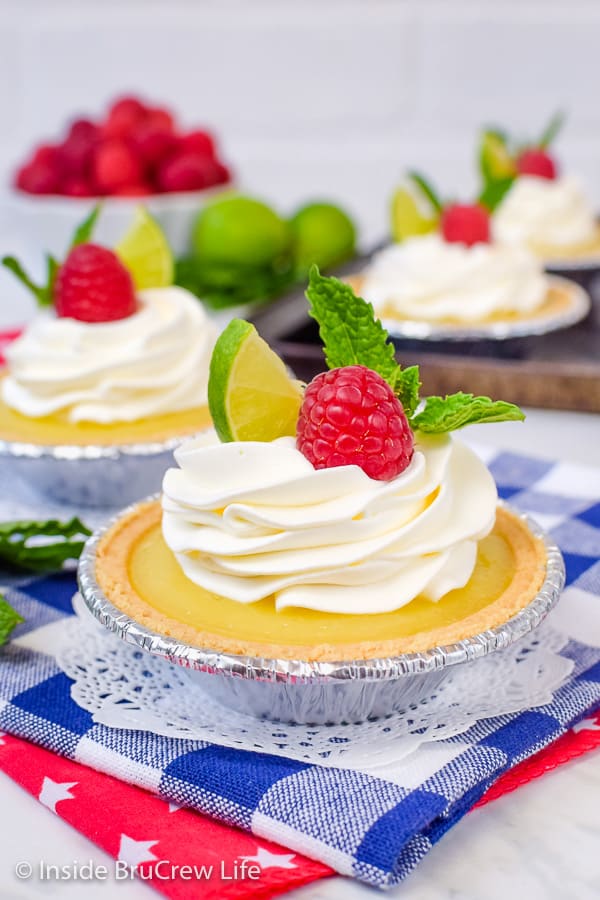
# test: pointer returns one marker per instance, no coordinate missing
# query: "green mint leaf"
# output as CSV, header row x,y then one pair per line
x,y
350,332
427,188
442,414
407,389
494,192
551,130
40,292
52,267
41,546
9,619
84,231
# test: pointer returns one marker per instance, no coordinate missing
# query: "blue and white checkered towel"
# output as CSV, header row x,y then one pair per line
x,y
372,828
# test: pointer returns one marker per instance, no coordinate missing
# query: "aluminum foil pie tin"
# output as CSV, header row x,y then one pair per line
x,y
322,692
90,475
509,329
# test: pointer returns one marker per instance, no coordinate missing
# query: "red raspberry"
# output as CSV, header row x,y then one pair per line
x,y
123,116
77,187
38,178
351,416
115,165
464,223
536,162
47,154
186,172
200,142
160,117
93,285
133,190
75,153
153,143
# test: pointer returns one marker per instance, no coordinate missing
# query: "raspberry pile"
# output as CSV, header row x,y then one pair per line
x,y
93,285
136,150
351,416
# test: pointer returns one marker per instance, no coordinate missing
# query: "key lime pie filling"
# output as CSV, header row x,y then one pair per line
x,y
368,532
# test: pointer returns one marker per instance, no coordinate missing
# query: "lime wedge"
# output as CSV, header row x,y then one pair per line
x,y
145,252
412,212
250,394
495,160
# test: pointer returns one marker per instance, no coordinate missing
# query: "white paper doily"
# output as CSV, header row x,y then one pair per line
x,y
124,687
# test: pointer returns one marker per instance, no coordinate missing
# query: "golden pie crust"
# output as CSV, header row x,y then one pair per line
x,y
113,576
58,430
559,299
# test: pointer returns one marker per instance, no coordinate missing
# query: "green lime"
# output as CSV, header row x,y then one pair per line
x,y
495,160
238,230
250,394
412,212
146,253
323,234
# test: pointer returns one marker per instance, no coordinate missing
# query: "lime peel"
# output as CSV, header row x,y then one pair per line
x,y
250,394
145,251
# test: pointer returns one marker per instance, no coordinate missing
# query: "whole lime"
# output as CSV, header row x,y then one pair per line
x,y
323,234
238,230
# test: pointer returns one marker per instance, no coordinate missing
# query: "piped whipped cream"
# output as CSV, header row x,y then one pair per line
x,y
247,520
544,212
153,362
427,278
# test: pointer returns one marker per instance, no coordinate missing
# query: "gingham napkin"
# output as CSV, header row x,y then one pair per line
x,y
375,829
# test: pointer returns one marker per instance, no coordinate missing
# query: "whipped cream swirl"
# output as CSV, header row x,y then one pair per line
x,y
427,278
544,212
246,520
153,362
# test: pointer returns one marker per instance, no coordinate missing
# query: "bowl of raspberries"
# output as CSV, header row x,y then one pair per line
x,y
136,152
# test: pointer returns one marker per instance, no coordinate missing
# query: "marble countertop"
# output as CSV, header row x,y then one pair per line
x,y
540,842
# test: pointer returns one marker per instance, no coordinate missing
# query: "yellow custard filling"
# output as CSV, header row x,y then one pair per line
x,y
157,578
140,575
57,429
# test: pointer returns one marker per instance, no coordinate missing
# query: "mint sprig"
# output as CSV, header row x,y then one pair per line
x,y
9,619
551,130
44,293
353,336
350,332
41,546
442,414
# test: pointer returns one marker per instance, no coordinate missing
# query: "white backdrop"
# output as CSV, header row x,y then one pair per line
x,y
312,97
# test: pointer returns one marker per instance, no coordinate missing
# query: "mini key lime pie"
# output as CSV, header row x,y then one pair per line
x,y
329,530
446,278
533,204
117,359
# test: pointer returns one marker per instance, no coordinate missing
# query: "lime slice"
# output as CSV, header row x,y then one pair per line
x,y
250,394
145,252
412,211
495,161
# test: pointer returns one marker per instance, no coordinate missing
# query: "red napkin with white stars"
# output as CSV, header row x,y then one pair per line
x,y
150,835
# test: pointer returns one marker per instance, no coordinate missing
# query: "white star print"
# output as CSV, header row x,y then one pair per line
x,y
173,807
586,725
53,792
267,860
135,852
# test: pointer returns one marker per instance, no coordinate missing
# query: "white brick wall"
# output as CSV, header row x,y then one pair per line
x,y
315,97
